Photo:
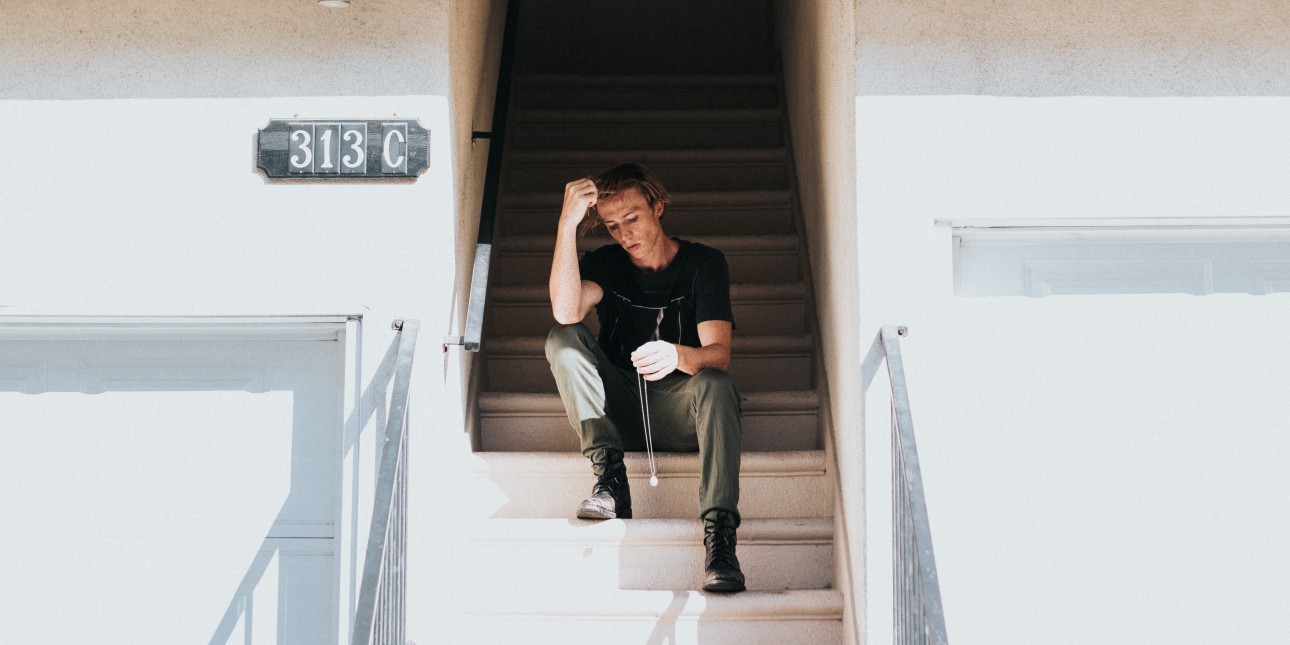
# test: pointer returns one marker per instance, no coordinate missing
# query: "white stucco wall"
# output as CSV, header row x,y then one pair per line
x,y
817,42
133,188
1099,469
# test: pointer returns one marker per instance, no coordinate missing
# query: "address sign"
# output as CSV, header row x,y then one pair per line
x,y
343,149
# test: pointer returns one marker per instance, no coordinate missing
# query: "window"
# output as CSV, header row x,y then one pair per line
x,y
1107,256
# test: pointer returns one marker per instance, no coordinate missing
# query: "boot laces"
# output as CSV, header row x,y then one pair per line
x,y
721,543
607,483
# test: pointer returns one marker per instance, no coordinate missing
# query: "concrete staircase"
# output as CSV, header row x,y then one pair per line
x,y
719,144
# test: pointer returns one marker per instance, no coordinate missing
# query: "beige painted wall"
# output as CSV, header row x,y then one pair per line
x,y
818,47
1073,47
221,48
474,55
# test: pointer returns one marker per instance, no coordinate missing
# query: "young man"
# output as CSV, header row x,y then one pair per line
x,y
665,325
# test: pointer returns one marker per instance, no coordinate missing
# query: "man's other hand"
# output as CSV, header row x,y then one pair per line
x,y
656,359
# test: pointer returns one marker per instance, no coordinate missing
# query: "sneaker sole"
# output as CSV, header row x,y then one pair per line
x,y
597,514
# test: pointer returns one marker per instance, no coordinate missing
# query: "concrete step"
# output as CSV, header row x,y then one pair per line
x,y
752,258
746,212
567,616
536,422
789,484
578,129
775,554
728,169
717,142
645,92
759,309
518,364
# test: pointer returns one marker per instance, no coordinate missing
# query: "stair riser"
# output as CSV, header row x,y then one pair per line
x,y
754,318
676,176
645,98
763,431
543,630
760,496
514,268
767,567
680,221
752,373
644,136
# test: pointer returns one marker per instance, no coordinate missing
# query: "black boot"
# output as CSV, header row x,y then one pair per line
x,y
610,498
721,573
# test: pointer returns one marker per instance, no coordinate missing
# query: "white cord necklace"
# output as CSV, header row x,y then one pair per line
x,y
643,390
649,439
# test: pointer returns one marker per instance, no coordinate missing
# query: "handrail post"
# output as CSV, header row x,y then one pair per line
x,y
478,297
384,585
918,613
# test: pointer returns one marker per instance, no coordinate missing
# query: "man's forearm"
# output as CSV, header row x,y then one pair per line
x,y
692,359
567,295
566,282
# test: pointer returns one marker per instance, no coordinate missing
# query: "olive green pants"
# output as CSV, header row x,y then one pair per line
x,y
687,413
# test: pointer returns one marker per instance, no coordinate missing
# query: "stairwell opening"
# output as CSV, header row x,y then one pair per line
x,y
696,91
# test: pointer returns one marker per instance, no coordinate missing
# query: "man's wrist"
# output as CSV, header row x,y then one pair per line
x,y
683,358
569,224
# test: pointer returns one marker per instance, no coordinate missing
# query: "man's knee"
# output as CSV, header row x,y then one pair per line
x,y
717,405
566,337
714,384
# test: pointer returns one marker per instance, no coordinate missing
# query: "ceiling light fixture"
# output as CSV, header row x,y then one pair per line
x,y
333,4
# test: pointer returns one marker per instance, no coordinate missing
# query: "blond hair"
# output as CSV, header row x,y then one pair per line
x,y
620,178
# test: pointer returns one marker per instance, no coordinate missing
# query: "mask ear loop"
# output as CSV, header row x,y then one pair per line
x,y
643,390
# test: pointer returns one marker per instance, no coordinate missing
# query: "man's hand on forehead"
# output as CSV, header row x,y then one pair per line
x,y
579,196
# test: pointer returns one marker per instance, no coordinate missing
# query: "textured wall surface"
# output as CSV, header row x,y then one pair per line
x,y
1065,47
133,191
817,41
224,48
476,45
1099,469
474,56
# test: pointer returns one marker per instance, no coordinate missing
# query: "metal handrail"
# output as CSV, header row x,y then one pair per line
x,y
918,617
492,180
380,616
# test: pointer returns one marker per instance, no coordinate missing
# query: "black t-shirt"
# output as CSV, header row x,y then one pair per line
x,y
668,305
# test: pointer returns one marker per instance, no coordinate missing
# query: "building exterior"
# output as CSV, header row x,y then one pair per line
x,y
1115,451
195,358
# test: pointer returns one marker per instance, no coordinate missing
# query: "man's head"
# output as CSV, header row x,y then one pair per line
x,y
620,179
